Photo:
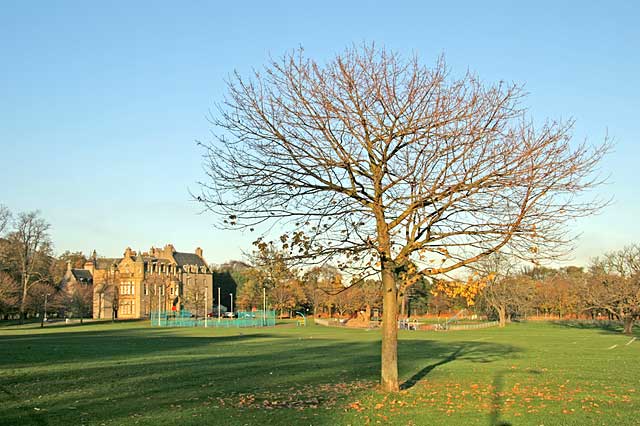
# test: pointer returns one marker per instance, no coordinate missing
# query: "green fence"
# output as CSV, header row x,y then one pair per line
x,y
186,319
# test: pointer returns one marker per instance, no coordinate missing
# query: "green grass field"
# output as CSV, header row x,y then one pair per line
x,y
132,374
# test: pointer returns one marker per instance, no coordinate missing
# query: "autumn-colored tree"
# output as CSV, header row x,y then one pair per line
x,y
378,162
250,296
9,294
287,295
562,294
465,290
340,300
370,292
317,285
274,272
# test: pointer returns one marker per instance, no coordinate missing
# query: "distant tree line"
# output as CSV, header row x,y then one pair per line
x,y
287,288
499,288
608,288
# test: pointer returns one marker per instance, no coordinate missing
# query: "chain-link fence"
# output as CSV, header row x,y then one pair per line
x,y
187,319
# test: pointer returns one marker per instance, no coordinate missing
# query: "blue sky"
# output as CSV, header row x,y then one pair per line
x,y
101,102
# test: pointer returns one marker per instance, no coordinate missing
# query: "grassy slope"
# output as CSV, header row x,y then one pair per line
x,y
129,373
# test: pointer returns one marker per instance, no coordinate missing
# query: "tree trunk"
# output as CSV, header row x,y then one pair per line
x,y
628,325
389,367
502,314
23,301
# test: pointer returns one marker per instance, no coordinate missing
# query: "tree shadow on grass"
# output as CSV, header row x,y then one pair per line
x,y
89,345
35,325
498,386
606,327
470,351
409,383
144,376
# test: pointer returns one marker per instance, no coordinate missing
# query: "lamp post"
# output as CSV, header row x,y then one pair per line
x,y
206,314
219,304
231,294
44,317
45,306
264,306
101,305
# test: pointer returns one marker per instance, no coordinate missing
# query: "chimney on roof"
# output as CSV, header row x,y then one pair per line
x,y
90,265
68,265
199,252
128,252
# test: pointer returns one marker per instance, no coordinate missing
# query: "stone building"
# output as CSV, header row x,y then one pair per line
x,y
140,283
73,278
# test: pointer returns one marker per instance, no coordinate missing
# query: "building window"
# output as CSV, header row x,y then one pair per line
x,y
146,290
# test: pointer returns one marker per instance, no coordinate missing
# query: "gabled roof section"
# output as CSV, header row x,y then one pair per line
x,y
188,259
107,262
82,275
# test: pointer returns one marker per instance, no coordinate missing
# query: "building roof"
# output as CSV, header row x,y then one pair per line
x,y
188,259
106,262
82,275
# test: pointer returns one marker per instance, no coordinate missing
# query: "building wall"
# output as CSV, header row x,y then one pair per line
x,y
138,286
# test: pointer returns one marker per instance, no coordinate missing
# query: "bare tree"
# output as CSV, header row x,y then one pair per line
x,y
615,285
30,248
5,217
43,298
105,290
380,162
159,292
80,301
499,291
194,300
